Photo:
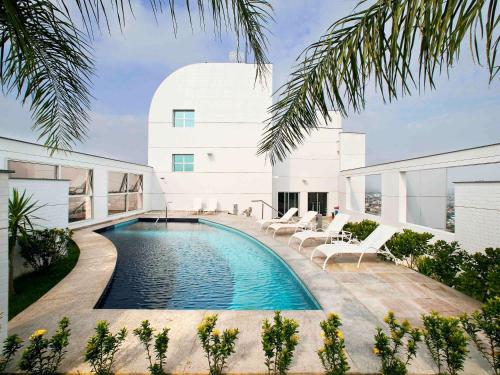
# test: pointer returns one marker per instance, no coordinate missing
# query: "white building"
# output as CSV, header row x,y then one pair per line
x,y
205,122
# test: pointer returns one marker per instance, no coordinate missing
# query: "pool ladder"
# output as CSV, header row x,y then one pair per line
x,y
166,214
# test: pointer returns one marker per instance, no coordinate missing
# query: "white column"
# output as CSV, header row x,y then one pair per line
x,y
4,254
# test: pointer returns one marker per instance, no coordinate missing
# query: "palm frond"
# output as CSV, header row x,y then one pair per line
x,y
46,62
400,45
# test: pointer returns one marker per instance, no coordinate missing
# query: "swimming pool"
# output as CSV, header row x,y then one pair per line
x,y
198,265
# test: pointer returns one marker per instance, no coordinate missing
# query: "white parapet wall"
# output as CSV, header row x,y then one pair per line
x,y
4,253
477,214
414,195
101,167
221,112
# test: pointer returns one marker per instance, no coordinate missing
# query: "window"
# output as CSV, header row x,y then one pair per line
x,y
373,194
184,119
183,163
80,192
25,169
317,202
124,192
287,200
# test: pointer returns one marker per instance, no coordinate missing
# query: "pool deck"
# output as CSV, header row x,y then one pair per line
x,y
361,296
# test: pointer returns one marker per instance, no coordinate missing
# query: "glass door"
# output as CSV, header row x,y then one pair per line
x,y
287,200
317,202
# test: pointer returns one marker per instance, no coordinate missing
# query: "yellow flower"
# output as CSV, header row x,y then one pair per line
x,y
38,333
322,334
376,351
333,316
216,332
294,339
327,342
340,335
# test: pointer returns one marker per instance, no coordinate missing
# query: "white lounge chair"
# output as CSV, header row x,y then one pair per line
x,y
334,230
197,205
371,245
212,206
302,224
287,217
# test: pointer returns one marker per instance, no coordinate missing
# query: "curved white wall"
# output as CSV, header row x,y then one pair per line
x,y
230,111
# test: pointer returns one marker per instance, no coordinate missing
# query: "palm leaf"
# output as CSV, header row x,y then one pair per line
x,y
399,45
45,60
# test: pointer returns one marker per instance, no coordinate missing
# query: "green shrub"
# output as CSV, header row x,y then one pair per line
x,y
278,342
158,342
362,229
10,346
102,347
392,350
408,246
332,354
41,248
480,277
444,262
446,342
483,327
218,347
43,356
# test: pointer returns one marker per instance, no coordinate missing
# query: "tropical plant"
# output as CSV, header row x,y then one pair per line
x,y
398,45
480,276
446,342
279,340
362,229
21,214
45,59
41,248
43,356
332,354
444,262
218,347
483,327
408,246
397,349
10,346
102,347
146,336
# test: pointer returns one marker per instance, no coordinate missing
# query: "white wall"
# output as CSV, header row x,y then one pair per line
x,y
477,214
4,254
414,190
230,111
315,165
23,151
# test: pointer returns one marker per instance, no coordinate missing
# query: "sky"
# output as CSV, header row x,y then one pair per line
x,y
462,112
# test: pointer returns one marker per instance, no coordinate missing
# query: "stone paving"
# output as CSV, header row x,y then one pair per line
x,y
361,297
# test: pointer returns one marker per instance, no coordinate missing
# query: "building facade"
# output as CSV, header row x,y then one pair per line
x,y
205,122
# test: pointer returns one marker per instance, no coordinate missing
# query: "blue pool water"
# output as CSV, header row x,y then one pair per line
x,y
198,266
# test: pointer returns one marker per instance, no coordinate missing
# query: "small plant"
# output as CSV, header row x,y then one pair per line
x,y
444,262
397,349
408,246
362,229
278,342
218,347
483,327
42,248
146,336
21,214
43,356
446,342
332,354
480,277
102,348
10,346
